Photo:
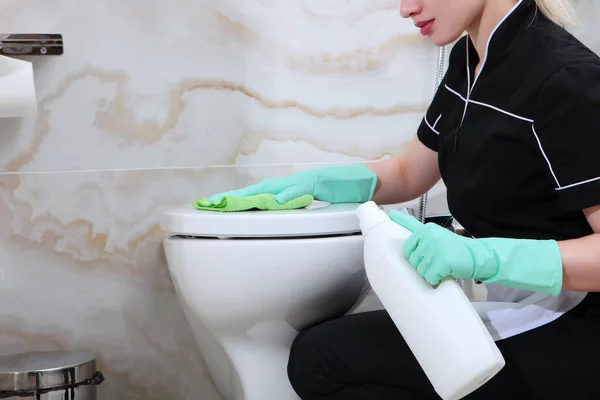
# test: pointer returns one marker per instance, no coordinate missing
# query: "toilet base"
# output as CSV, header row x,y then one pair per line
x,y
261,369
250,366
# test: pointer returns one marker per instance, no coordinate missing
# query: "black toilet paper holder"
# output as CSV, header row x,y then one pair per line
x,y
31,44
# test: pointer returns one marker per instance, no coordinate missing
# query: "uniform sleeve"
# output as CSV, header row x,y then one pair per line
x,y
427,132
567,129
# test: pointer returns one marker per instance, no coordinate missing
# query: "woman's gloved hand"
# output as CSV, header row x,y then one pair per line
x,y
338,184
437,253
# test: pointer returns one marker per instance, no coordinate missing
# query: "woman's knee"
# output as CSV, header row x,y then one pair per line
x,y
307,363
300,361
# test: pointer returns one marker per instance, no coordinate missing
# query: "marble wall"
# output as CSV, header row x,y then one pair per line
x,y
153,105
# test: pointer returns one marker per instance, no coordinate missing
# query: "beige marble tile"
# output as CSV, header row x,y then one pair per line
x,y
158,84
588,13
82,268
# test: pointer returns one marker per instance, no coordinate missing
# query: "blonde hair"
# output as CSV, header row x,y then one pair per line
x,y
561,12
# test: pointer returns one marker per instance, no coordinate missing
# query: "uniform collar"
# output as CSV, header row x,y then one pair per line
x,y
503,35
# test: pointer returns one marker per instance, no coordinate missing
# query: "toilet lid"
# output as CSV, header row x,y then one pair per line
x,y
319,219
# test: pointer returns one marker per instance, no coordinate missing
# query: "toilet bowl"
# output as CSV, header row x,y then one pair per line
x,y
250,281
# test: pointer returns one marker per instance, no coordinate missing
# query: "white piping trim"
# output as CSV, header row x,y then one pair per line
x,y
559,187
455,92
437,120
546,157
487,46
578,183
502,111
429,125
468,84
489,106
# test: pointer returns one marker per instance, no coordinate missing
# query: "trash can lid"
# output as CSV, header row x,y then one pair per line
x,y
45,369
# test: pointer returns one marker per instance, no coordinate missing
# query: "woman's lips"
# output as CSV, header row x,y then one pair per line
x,y
425,27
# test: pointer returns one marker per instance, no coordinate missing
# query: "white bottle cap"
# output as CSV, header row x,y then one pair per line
x,y
369,215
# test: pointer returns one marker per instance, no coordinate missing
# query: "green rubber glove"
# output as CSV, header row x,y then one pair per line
x,y
526,264
338,184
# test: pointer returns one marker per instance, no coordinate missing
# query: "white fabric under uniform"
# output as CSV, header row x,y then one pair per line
x,y
508,312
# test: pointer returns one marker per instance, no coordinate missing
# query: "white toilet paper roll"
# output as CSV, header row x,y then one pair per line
x,y
17,88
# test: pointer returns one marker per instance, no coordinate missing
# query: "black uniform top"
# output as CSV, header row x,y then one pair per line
x,y
519,146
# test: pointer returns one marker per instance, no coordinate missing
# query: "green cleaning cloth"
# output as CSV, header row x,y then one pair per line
x,y
259,201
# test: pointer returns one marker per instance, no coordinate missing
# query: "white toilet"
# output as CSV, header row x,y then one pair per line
x,y
249,281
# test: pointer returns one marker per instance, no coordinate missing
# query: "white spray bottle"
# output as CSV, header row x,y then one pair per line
x,y
440,325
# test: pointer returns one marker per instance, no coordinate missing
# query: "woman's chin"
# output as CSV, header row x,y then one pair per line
x,y
440,39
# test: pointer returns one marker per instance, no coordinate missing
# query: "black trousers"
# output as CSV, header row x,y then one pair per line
x,y
363,357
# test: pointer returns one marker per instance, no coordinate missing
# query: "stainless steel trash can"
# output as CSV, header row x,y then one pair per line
x,y
50,375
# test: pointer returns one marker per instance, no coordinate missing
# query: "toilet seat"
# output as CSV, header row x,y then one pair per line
x,y
317,220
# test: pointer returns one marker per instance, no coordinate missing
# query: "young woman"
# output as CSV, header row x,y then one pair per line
x,y
514,132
